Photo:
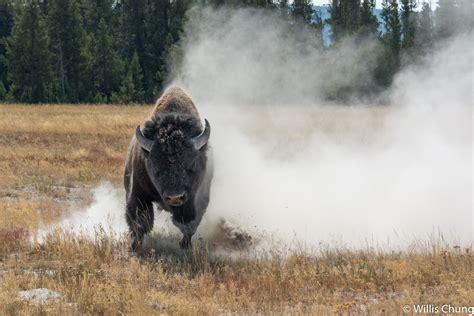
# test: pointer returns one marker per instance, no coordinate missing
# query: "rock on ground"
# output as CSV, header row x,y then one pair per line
x,y
38,295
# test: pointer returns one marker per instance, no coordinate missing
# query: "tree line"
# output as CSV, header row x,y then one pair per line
x,y
116,51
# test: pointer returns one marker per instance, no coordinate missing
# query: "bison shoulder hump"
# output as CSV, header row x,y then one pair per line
x,y
175,100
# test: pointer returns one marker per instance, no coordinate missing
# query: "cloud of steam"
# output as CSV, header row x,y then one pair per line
x,y
105,213
252,57
299,170
289,167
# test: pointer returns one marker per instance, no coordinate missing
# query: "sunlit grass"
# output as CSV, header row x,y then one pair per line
x,y
50,156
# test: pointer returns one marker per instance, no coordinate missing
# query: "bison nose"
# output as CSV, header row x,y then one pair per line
x,y
175,199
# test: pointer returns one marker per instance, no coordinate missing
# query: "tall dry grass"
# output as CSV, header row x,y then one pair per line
x,y
50,153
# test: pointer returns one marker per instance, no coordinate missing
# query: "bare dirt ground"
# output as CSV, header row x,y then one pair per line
x,y
52,156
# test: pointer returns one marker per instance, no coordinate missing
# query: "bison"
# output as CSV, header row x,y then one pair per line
x,y
169,163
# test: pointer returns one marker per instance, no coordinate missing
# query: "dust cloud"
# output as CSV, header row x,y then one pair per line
x,y
295,168
104,215
251,57
290,168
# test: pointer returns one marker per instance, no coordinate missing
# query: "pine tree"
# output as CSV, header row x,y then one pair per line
x,y
268,4
303,10
408,23
302,15
28,56
424,39
92,11
132,15
391,20
215,3
345,18
131,90
147,27
3,91
67,41
389,62
352,18
164,28
6,25
368,21
138,25
105,65
161,73
157,43
135,72
177,16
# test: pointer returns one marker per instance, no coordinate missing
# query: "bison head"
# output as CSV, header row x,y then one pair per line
x,y
175,154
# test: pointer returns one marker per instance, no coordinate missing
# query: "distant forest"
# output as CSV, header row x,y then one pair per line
x,y
116,51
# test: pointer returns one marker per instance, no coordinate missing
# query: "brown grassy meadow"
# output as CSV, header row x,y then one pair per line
x,y
51,156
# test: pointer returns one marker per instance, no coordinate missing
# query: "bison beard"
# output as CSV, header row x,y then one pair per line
x,y
167,164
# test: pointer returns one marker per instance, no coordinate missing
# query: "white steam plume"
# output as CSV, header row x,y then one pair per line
x,y
288,166
389,175
252,57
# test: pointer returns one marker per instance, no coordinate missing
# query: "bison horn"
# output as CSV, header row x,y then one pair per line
x,y
145,142
201,140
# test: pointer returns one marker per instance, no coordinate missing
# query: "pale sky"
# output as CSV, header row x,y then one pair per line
x,y
320,2
378,3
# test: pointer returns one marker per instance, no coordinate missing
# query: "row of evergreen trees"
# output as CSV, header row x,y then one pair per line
x,y
116,50
411,32
408,31
86,50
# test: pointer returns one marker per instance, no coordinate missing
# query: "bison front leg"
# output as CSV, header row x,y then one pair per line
x,y
188,230
139,215
188,233
185,242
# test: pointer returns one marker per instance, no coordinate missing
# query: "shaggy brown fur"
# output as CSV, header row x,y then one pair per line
x,y
175,100
171,167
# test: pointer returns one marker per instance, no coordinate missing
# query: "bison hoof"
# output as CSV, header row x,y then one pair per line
x,y
185,243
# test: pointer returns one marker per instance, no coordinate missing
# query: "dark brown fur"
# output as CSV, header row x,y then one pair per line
x,y
172,165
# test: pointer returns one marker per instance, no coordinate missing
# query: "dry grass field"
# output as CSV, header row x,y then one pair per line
x,y
51,156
